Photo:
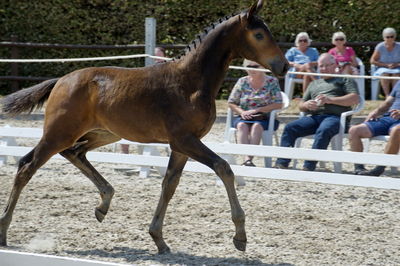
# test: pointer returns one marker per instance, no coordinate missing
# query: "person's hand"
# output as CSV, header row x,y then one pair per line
x,y
372,116
391,65
311,105
247,115
395,114
323,99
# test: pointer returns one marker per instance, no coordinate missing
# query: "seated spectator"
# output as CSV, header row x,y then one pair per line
x,y
386,57
252,98
385,120
344,55
324,101
303,58
158,51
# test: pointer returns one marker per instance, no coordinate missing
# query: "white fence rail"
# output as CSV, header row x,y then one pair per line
x,y
227,150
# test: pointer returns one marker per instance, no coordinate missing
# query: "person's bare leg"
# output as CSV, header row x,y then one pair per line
x,y
392,147
243,131
243,136
356,134
346,70
306,81
385,83
256,131
125,148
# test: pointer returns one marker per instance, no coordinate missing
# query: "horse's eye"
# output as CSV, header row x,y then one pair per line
x,y
259,36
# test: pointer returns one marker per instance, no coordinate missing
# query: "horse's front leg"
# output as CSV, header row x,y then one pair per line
x,y
195,149
171,180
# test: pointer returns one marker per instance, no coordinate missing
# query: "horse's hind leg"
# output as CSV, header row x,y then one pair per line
x,y
171,180
77,156
26,169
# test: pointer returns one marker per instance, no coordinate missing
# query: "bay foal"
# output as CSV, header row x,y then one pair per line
x,y
171,103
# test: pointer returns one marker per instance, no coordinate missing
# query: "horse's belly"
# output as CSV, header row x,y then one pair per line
x,y
136,129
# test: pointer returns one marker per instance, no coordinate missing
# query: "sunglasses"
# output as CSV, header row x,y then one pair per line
x,y
389,37
253,66
339,39
304,40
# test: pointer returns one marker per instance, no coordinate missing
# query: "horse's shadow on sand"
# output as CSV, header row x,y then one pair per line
x,y
130,255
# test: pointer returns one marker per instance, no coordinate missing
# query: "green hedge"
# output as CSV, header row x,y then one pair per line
x,y
178,21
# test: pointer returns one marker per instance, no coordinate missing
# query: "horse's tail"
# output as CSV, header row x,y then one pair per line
x,y
26,100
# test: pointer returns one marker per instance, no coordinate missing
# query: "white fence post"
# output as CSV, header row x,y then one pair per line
x,y
150,39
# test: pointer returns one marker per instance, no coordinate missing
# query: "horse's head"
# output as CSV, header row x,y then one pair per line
x,y
257,43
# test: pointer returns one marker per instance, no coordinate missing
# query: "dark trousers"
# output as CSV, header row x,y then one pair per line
x,y
323,126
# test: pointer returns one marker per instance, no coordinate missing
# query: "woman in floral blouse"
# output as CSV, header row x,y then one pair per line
x,y
252,98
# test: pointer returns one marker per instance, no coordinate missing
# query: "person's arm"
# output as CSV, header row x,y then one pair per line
x,y
268,108
382,108
345,100
235,108
375,59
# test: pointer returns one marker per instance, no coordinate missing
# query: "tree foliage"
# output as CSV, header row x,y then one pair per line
x,y
178,21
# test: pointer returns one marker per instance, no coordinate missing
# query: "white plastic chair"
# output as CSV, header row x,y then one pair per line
x,y
291,80
374,84
337,140
361,81
267,136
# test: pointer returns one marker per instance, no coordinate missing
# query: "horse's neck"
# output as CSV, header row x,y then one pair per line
x,y
210,61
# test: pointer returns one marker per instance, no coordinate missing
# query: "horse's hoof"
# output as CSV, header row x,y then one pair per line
x,y
240,245
165,250
99,215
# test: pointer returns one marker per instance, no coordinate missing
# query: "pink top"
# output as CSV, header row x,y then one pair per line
x,y
346,57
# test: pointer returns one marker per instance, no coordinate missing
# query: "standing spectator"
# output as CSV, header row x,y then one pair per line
x,y
325,100
385,120
158,51
303,58
252,98
387,58
344,55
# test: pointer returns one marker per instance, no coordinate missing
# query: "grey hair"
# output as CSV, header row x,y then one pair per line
x,y
302,35
387,31
338,34
329,56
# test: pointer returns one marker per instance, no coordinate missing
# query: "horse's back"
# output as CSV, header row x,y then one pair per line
x,y
126,101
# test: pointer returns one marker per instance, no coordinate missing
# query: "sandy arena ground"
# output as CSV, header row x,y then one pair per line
x,y
288,223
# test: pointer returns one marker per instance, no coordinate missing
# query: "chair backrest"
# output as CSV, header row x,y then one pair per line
x,y
361,66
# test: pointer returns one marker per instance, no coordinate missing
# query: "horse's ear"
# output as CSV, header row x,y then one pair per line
x,y
254,9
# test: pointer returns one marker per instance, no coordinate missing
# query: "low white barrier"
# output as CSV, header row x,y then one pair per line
x,y
15,258
228,149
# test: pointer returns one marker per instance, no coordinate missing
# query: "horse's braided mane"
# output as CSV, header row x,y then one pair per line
x,y
201,36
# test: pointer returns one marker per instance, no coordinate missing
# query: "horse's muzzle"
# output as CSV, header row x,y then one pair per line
x,y
279,66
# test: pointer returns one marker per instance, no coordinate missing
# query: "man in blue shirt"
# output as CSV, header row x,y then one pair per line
x,y
384,120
